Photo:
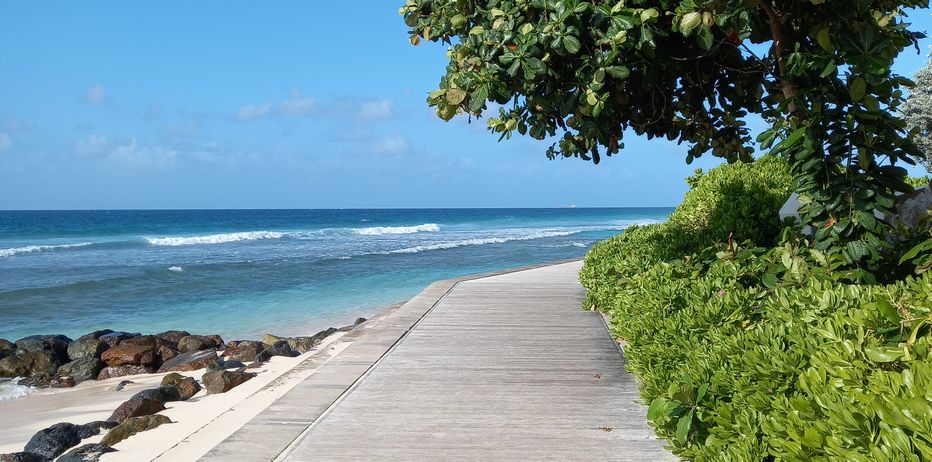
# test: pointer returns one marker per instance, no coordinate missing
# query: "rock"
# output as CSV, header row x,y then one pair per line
x,y
22,457
122,384
65,381
120,371
36,381
189,361
245,350
280,348
233,364
101,425
302,344
324,333
129,355
132,426
224,381
270,339
53,441
86,348
166,352
6,345
82,369
186,386
136,408
56,343
162,394
199,342
86,453
95,335
173,335
359,321
114,338
24,363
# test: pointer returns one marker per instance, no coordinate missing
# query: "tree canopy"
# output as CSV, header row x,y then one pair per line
x,y
917,110
695,71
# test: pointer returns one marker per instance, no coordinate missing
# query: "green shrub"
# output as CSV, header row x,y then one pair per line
x,y
761,354
737,199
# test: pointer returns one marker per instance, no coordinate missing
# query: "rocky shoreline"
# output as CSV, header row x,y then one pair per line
x,y
56,361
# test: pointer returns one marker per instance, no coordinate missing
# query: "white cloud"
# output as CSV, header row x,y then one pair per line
x,y
96,94
296,105
374,110
133,157
126,158
390,145
93,144
6,142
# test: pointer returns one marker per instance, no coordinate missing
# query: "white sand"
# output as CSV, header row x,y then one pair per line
x,y
198,424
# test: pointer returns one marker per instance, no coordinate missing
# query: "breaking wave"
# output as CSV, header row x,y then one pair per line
x,y
222,238
382,230
39,248
483,241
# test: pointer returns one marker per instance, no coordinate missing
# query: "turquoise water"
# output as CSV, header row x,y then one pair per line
x,y
243,273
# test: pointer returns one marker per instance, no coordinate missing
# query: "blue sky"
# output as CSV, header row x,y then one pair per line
x,y
258,105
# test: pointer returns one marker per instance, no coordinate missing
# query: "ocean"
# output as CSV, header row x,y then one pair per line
x,y
244,273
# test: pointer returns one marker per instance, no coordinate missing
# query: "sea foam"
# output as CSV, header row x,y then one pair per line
x,y
10,390
222,238
39,248
484,240
382,230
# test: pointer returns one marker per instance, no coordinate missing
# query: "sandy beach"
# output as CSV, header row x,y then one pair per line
x,y
198,424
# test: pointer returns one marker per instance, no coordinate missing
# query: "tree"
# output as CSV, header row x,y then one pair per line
x,y
694,71
917,110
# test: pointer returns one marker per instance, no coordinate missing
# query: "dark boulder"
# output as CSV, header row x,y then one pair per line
x,y
325,333
173,335
95,335
165,352
65,381
136,408
164,394
245,350
101,425
220,365
189,361
82,369
85,453
86,348
53,441
120,371
199,342
22,457
57,343
224,381
132,426
114,338
186,386
24,363
6,345
129,355
280,348
122,384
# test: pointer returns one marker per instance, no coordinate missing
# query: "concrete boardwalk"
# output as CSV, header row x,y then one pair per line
x,y
505,367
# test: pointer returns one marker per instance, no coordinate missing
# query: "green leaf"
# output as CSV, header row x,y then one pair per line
x,y
455,96
618,72
823,39
857,88
690,21
458,20
705,38
683,426
883,354
887,309
571,44
769,280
